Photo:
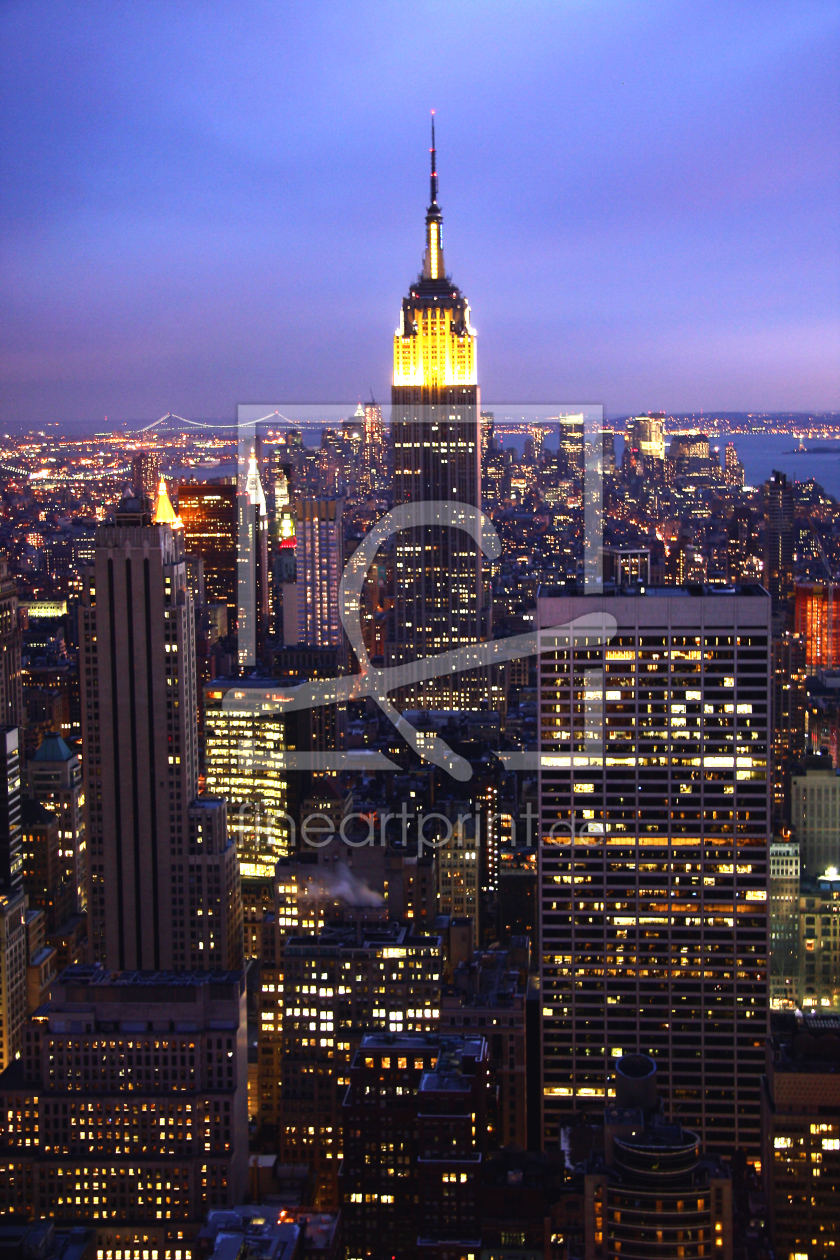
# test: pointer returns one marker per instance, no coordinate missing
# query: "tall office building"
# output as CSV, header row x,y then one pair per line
x,y
690,457
252,575
571,442
45,879
13,958
783,914
332,988
208,513
649,1191
319,564
788,696
373,456
242,747
489,992
733,469
458,875
127,1110
54,780
145,475
154,859
435,429
11,683
801,1132
414,1143
817,620
815,815
819,941
645,443
778,539
654,753
11,860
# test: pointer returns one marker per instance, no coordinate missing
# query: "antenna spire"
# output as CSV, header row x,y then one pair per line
x,y
434,183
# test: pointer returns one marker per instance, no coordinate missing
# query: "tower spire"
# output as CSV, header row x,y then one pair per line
x,y
433,268
434,183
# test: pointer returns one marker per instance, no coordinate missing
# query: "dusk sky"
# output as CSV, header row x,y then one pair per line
x,y
208,204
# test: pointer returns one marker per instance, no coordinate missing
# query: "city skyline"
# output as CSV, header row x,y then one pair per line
x,y
419,829
685,223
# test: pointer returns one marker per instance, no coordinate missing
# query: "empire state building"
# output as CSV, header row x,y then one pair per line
x,y
436,439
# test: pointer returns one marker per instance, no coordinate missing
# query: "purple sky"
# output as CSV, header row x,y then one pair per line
x,y
208,204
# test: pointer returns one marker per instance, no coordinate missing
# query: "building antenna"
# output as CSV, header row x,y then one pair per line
x,y
434,183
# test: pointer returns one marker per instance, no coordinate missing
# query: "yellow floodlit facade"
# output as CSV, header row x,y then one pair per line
x,y
434,346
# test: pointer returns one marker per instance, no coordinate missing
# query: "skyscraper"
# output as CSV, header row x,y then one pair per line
x,y
654,799
413,1158
11,862
815,814
145,475
208,513
12,902
243,748
154,861
336,986
252,577
373,466
12,973
436,442
778,539
54,779
801,1132
319,563
817,620
11,685
733,469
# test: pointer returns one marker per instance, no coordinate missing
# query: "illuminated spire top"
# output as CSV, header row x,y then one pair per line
x,y
433,268
164,511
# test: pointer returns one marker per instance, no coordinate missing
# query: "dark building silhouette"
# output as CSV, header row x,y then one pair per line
x,y
11,686
801,1134
778,539
158,855
414,1139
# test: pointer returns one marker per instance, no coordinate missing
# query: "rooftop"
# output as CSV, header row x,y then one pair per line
x,y
693,591
93,975
53,748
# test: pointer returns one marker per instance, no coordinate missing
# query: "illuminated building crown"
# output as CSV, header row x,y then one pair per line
x,y
164,511
435,343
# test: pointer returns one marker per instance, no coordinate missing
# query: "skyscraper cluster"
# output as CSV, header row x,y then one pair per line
x,y
314,945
